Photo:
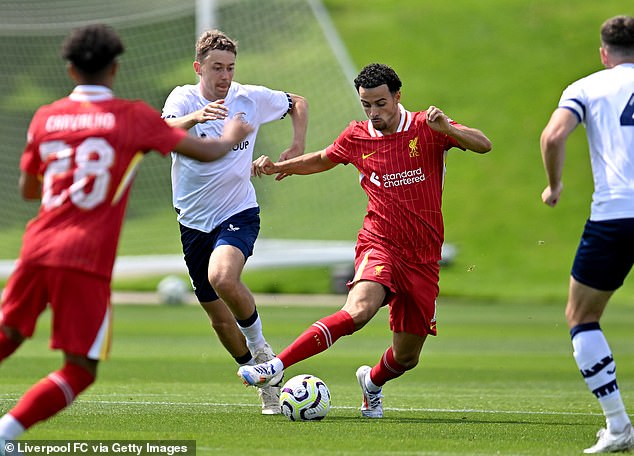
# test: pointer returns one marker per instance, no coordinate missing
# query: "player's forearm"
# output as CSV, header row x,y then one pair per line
x,y
186,122
553,144
471,138
299,118
312,163
553,156
210,149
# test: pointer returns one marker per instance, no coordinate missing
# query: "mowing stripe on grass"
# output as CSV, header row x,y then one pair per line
x,y
338,407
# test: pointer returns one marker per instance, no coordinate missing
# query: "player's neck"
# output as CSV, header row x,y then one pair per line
x,y
393,127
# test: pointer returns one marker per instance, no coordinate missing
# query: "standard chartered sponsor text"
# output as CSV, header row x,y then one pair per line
x,y
408,177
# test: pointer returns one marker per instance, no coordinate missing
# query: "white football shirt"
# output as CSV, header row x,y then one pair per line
x,y
604,102
206,194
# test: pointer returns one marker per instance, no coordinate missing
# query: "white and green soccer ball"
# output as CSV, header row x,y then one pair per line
x,y
305,398
173,290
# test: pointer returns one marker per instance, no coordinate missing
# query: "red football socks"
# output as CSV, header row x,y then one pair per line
x,y
51,394
386,369
318,337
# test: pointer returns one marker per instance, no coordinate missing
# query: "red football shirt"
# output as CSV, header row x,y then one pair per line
x,y
403,175
86,148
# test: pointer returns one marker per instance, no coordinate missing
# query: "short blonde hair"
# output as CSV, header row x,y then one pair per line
x,y
214,40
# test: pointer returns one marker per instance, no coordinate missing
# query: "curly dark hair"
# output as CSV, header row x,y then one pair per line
x,y
617,35
377,74
212,40
92,48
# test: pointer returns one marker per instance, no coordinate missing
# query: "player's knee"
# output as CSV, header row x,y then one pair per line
x,y
221,282
408,362
361,318
571,317
406,359
361,313
12,334
576,315
86,367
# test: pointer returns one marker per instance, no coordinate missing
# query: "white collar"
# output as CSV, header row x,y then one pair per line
x,y
403,125
87,92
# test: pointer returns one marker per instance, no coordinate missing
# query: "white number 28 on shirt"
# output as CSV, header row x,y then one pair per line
x,y
93,158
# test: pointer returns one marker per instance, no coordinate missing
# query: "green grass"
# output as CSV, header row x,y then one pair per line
x,y
499,379
312,280
498,65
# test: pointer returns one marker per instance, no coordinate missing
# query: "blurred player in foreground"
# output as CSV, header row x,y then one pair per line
x,y
401,158
604,103
218,213
80,159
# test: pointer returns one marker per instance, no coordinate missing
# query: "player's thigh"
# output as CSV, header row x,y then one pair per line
x,y
240,231
82,315
197,248
364,300
234,244
585,304
372,282
413,305
225,264
24,298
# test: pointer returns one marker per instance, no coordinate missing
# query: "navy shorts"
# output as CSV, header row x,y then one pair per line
x,y
240,231
605,254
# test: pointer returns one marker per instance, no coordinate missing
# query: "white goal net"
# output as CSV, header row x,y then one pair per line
x,y
283,44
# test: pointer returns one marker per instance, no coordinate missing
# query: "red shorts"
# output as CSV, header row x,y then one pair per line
x,y
80,305
413,287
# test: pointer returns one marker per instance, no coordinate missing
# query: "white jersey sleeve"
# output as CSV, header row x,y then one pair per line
x,y
181,101
274,103
604,103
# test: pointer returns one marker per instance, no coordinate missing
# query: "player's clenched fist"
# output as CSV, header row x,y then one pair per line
x,y
263,165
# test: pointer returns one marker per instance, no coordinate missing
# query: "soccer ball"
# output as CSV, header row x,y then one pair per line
x,y
172,290
305,398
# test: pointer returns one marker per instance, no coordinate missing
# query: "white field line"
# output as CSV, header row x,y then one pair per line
x,y
339,407
345,407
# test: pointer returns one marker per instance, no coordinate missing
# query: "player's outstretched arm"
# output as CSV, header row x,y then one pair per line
x,y
211,149
312,163
468,138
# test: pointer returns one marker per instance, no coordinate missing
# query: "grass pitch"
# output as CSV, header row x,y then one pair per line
x,y
499,379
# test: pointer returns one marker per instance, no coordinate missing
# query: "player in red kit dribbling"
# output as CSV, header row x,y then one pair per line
x,y
401,158
80,159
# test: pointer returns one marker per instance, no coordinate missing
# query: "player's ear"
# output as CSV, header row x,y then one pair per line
x,y
72,71
114,67
197,67
604,56
397,96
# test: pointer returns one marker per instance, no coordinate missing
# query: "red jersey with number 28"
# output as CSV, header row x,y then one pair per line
x,y
86,148
403,175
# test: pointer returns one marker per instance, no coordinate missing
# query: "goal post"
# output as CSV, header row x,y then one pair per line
x,y
206,18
